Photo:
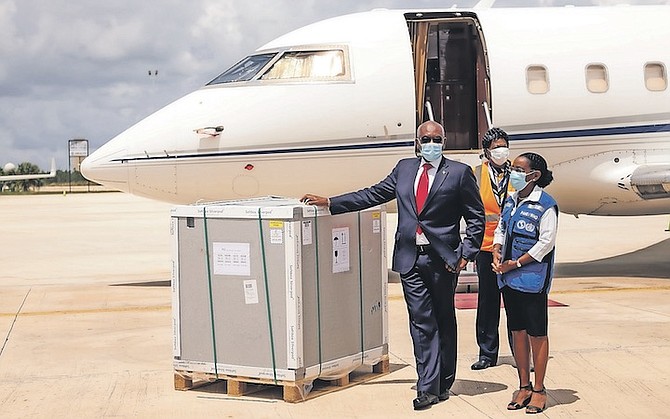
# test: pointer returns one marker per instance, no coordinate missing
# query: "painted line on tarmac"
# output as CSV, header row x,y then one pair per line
x,y
611,289
390,298
582,291
91,311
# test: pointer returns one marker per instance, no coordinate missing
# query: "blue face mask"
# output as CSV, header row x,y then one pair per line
x,y
518,180
431,151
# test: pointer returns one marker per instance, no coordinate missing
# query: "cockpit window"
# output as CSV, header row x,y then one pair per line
x,y
308,65
244,70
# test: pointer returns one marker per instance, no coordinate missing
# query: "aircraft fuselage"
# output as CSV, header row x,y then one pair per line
x,y
332,107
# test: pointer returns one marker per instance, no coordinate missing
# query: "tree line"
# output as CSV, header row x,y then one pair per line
x,y
63,177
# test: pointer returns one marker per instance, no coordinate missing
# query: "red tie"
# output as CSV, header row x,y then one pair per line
x,y
422,191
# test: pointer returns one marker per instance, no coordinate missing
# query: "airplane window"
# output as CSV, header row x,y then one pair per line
x,y
310,65
537,80
655,77
244,70
596,78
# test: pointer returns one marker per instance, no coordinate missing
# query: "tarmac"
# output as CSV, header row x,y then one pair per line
x,y
85,321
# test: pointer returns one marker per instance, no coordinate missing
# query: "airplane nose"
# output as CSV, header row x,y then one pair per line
x,y
106,167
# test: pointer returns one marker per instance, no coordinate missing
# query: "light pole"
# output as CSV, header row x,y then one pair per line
x,y
153,75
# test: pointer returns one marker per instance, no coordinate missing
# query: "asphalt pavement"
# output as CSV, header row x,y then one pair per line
x,y
85,324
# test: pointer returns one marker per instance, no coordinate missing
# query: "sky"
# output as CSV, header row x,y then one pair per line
x,y
72,69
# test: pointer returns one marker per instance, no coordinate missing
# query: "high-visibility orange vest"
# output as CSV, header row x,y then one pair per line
x,y
491,207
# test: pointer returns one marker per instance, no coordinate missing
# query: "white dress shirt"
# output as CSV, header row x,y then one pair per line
x,y
547,239
421,238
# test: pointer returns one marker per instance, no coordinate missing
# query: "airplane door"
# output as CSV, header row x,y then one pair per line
x,y
452,81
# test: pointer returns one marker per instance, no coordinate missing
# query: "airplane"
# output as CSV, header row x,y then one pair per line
x,y
10,167
331,107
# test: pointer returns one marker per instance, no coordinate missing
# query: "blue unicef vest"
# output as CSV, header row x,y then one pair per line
x,y
522,231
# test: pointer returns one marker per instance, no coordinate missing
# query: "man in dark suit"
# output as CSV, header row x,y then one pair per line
x,y
433,194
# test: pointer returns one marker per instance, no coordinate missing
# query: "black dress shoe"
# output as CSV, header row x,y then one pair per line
x,y
482,364
424,400
444,395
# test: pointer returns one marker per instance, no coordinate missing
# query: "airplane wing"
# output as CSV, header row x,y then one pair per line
x,y
9,178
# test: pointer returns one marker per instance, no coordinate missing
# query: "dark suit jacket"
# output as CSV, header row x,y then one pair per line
x,y
453,195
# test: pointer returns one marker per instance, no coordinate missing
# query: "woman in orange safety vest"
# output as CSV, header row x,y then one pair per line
x,y
494,186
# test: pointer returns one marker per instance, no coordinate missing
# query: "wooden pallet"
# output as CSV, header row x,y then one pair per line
x,y
293,391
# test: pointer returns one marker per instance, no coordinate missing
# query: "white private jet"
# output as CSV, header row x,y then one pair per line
x,y
331,107
10,167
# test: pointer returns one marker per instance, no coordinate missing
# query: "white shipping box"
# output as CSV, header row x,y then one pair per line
x,y
271,288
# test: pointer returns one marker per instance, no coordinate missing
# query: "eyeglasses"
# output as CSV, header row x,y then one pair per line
x,y
426,139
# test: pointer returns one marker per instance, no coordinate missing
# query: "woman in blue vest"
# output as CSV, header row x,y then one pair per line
x,y
523,257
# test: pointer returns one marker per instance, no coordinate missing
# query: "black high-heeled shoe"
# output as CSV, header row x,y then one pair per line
x,y
513,405
532,409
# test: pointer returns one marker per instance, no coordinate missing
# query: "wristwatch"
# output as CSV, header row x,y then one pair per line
x,y
518,263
